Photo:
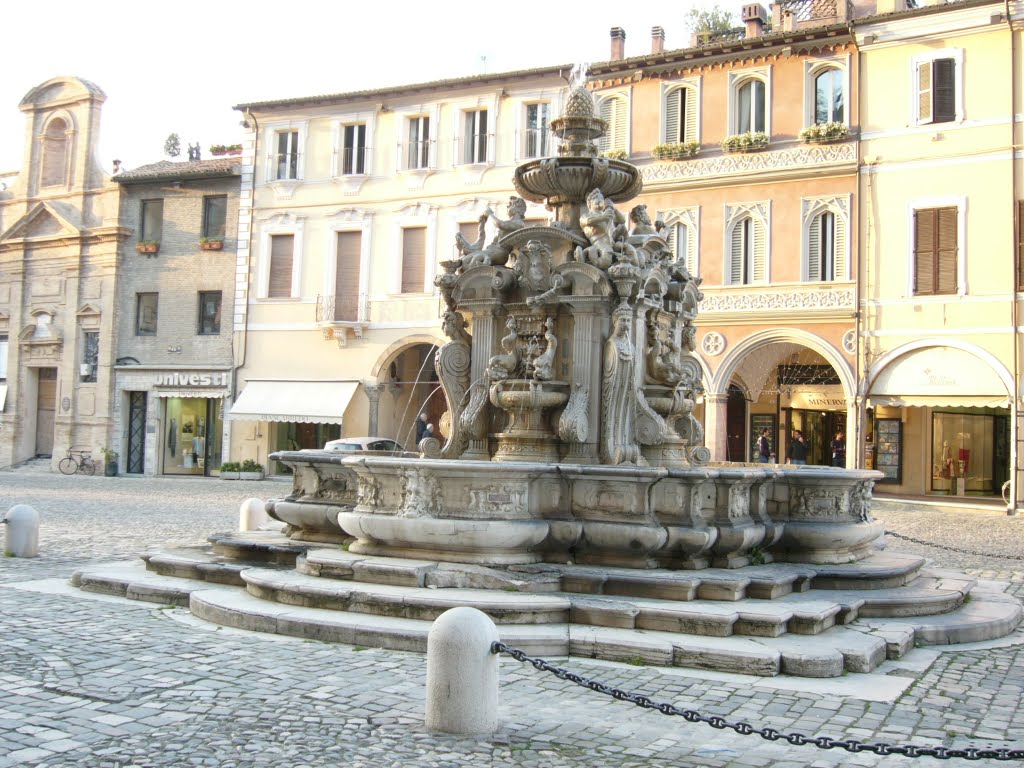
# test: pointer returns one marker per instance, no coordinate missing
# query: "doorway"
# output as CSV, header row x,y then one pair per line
x,y
136,433
46,411
735,423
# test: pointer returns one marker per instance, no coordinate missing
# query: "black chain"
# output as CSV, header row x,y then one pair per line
x,y
952,549
770,734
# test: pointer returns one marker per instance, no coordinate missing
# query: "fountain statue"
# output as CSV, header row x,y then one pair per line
x,y
571,379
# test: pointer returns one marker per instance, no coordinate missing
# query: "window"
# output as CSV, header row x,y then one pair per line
x,y
209,313
681,115
537,130
346,276
829,106
418,149
90,356
614,110
145,314
750,106
821,246
3,357
474,136
414,252
682,234
1020,245
286,157
353,149
935,251
152,226
215,210
748,252
282,262
938,87
55,154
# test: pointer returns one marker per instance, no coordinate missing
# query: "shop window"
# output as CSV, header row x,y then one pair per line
x,y
215,209
145,314
151,228
414,253
209,313
888,450
90,356
969,453
192,443
935,251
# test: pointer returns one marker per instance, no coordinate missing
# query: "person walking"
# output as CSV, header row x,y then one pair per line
x,y
764,447
798,448
839,450
421,427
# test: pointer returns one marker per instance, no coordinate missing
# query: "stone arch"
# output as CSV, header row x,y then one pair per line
x,y
61,90
984,355
56,148
379,371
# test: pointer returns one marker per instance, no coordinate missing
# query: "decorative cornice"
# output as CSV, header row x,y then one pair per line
x,y
768,299
798,157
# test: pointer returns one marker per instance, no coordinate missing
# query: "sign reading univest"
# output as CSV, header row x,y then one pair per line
x,y
192,380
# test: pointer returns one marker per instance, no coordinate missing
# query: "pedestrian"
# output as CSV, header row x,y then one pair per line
x,y
839,450
798,448
421,427
764,447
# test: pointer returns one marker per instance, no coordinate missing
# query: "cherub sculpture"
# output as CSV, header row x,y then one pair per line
x,y
476,254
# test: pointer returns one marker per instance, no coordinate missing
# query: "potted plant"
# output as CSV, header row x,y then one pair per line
x,y
251,470
615,154
211,243
148,246
823,133
676,150
225,149
751,141
230,470
109,462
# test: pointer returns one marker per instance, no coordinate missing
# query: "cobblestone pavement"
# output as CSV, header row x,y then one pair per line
x,y
107,683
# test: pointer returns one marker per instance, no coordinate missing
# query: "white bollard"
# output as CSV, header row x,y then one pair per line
x,y
252,514
462,673
22,536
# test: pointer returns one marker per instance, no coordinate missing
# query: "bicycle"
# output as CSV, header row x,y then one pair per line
x,y
77,461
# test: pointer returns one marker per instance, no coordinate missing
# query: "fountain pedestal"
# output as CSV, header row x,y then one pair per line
x,y
528,403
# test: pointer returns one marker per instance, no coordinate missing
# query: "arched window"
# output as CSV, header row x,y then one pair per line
x,y
681,115
614,110
55,154
829,99
826,252
750,106
748,253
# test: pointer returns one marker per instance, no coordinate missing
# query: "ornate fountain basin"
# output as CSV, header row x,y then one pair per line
x,y
522,395
570,179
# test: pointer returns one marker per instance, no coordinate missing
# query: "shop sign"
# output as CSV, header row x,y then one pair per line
x,y
818,399
191,379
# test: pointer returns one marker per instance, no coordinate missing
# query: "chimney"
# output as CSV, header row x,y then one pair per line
x,y
618,44
117,168
754,17
657,40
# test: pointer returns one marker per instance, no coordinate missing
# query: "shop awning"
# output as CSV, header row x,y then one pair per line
x,y
306,402
939,377
3,395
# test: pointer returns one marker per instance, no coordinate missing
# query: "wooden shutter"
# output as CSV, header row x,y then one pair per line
x,y
841,268
1020,245
943,90
946,252
814,249
688,109
414,253
935,251
614,111
924,92
760,271
924,251
673,103
736,253
282,258
346,276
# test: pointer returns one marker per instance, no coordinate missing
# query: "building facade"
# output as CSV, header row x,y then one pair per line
x,y
174,369
59,236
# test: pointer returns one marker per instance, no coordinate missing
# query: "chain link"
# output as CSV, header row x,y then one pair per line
x,y
952,549
769,734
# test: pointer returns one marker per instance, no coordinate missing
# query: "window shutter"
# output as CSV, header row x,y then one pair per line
x,y
621,117
760,271
1020,245
943,91
673,102
924,92
924,252
840,271
614,112
346,276
736,254
414,252
689,112
814,249
946,251
281,259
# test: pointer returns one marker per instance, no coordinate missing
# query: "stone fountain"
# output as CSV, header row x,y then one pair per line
x,y
572,499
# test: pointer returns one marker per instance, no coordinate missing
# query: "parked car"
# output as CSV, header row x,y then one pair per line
x,y
363,444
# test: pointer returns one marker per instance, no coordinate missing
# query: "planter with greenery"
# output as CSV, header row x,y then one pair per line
x,y
230,470
615,154
751,141
225,149
147,246
211,243
109,462
676,151
251,470
823,133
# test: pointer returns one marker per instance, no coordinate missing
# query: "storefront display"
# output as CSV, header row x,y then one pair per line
x,y
969,453
888,450
192,442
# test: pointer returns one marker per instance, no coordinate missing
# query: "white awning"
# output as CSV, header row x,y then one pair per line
x,y
3,395
307,402
939,376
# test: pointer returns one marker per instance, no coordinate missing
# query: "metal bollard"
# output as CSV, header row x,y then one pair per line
x,y
462,673
252,515
22,536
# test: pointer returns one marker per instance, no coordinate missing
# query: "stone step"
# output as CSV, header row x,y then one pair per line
x,y
134,582
986,616
882,570
202,564
258,546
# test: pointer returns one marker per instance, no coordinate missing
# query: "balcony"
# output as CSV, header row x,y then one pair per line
x,y
339,317
725,304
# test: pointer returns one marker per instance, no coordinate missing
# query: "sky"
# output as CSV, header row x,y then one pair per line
x,y
181,66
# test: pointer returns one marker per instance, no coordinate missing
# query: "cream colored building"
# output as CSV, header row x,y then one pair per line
x,y
941,264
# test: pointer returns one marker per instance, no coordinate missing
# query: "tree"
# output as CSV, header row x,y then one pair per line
x,y
172,147
706,23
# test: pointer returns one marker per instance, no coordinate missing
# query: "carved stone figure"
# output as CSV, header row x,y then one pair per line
x,y
476,254
618,393
574,423
503,366
543,364
421,496
598,223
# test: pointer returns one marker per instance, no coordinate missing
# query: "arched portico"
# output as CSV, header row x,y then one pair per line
x,y
403,384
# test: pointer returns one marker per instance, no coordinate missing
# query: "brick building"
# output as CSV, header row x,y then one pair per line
x,y
173,372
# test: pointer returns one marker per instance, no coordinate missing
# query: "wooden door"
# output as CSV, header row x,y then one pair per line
x,y
735,424
46,410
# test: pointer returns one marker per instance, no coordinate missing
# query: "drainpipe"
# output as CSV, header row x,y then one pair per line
x,y
1015,396
860,392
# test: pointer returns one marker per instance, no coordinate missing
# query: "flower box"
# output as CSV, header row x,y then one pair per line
x,y
824,133
752,141
250,475
225,475
211,244
219,150
147,246
676,151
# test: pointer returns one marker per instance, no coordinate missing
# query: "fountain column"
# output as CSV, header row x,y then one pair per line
x,y
715,426
483,331
590,323
373,396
